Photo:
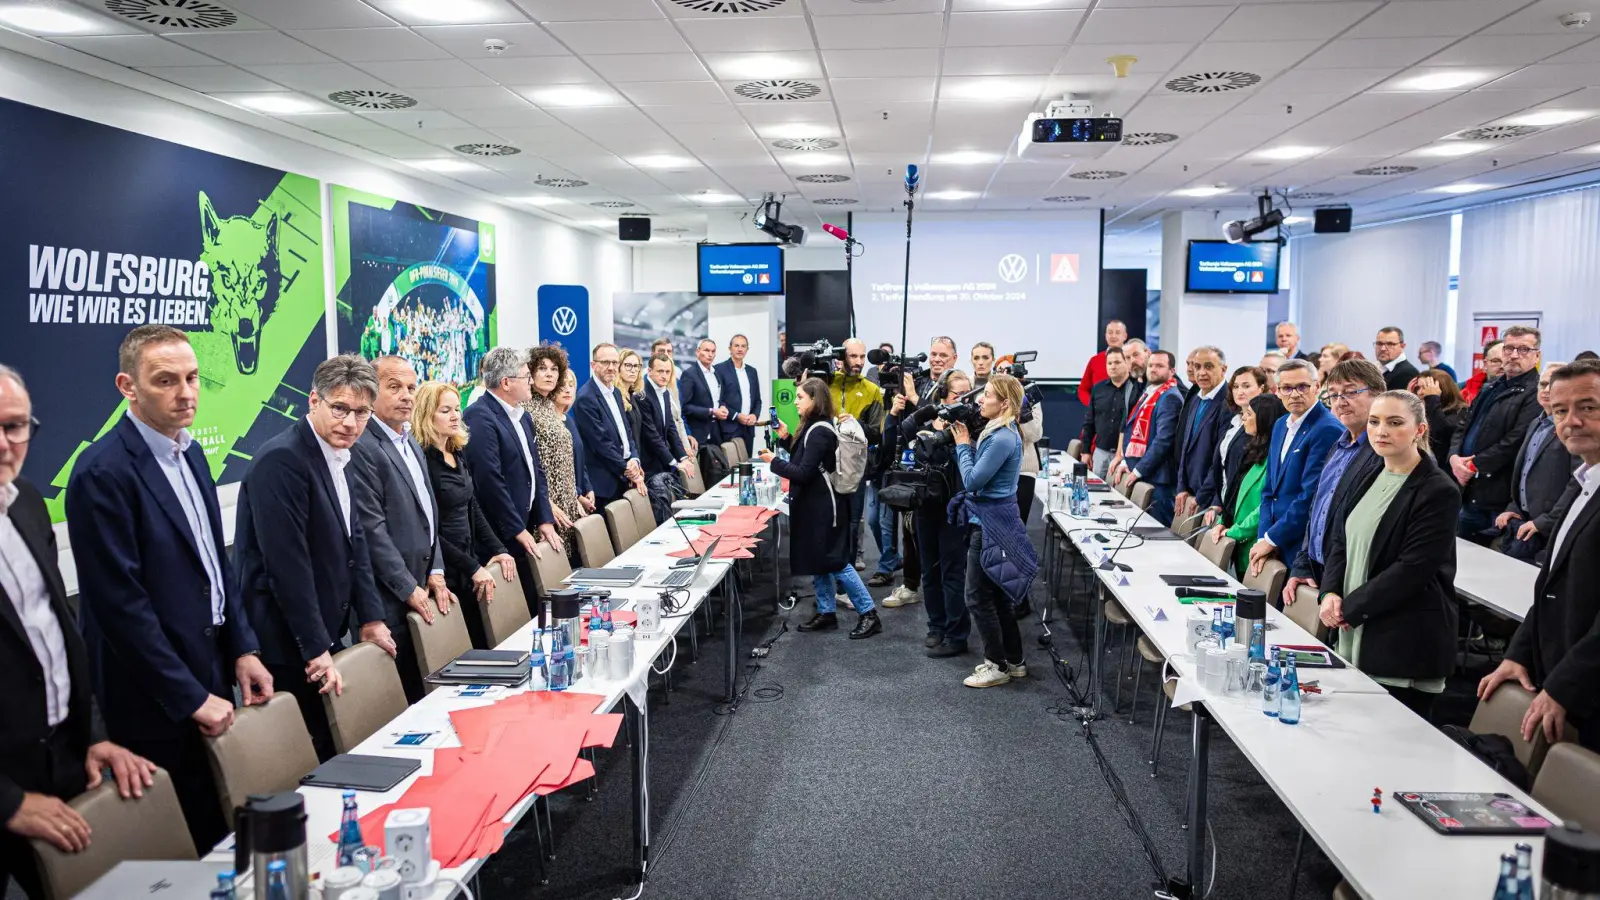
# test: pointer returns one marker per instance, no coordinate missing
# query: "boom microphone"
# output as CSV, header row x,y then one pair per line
x,y
836,231
913,179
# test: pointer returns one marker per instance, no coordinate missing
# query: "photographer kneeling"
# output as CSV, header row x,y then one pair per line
x,y
819,530
998,580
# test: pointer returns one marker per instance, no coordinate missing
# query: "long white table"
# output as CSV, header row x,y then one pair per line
x,y
1325,768
1495,580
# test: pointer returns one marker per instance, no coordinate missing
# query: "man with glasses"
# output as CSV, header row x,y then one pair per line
x,y
1494,365
1300,442
304,564
1390,346
1539,479
1484,450
1206,418
609,453
1350,389
1149,449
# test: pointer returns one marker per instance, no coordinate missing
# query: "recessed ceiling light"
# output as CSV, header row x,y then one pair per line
x,y
966,158
798,131
764,65
715,197
992,89
572,95
1442,81
1545,118
1296,220
1453,148
442,165
1459,188
541,200
1289,152
813,160
1205,190
661,161
952,195
599,223
45,21
279,104
442,12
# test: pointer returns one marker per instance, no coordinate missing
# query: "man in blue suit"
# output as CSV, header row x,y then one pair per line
x,y
701,393
507,475
609,453
1150,438
660,448
304,564
741,394
162,623
1205,421
1300,443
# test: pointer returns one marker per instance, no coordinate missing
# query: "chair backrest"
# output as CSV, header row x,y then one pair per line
x,y
1142,494
1305,612
1270,580
1502,714
1218,553
550,569
644,517
1074,449
507,612
594,542
695,483
1568,783
265,752
148,827
1120,484
734,451
622,524
372,695
1183,526
437,644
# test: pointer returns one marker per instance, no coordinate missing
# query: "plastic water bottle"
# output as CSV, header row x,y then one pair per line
x,y
224,889
1269,687
1217,629
605,615
538,680
1044,465
559,674
1524,871
1258,639
596,623
278,880
1289,696
1505,887
1229,626
350,842
1079,495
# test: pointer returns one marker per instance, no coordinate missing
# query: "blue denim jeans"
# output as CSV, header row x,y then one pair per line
x,y
884,522
847,578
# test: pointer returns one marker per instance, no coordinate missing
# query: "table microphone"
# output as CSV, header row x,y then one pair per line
x,y
1109,562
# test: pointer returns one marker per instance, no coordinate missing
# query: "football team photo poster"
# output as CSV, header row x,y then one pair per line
x,y
413,282
107,230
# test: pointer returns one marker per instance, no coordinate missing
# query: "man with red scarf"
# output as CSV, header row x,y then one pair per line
x,y
1150,438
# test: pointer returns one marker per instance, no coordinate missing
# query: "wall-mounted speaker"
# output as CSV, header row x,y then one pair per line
x,y
1333,220
633,228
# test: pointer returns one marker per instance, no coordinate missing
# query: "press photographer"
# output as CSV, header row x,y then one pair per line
x,y
889,371
815,360
856,396
1030,424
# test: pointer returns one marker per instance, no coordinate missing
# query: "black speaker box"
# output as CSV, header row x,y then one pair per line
x,y
1334,220
637,228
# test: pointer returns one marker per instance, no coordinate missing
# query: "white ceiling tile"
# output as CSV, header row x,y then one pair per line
x,y
886,63
1133,26
1011,61
856,8
630,36
466,41
586,118
371,44
1586,52
1262,58
287,15
243,48
874,90
648,67
1013,28
1287,87
747,35
525,115
1507,50
393,143
448,138
537,70
210,79
460,99
1429,18
456,12
1549,76
339,125
320,78
1323,19
1542,17
413,121
137,50
1090,59
870,32
794,64
779,114
1352,53
719,114
672,93
427,73
589,10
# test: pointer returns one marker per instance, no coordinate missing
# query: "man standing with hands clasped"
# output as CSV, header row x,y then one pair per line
x,y
161,618
1484,450
741,394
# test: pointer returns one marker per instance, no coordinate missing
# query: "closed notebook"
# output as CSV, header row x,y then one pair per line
x,y
494,658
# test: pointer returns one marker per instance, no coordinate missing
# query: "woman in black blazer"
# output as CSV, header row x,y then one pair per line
x,y
1389,581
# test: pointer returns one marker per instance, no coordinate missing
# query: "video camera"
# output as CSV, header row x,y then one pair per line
x,y
892,369
964,410
1031,394
817,360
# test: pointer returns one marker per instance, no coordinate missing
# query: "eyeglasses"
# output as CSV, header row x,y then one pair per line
x,y
634,366
1296,388
1351,395
1512,350
606,363
341,412
20,432
1385,343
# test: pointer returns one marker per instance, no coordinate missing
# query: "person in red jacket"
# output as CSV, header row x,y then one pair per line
x,y
1116,333
1493,364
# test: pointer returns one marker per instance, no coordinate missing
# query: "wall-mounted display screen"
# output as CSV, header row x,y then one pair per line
x,y
735,269
1218,267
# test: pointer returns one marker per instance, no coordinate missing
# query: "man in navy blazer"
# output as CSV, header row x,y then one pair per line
x,y
506,473
1155,458
165,632
1206,418
660,450
741,394
304,564
1300,443
701,394
608,452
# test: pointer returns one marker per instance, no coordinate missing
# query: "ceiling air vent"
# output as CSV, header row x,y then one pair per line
x,y
561,183
823,179
172,14
777,89
806,144
1212,82
1068,198
363,98
612,204
834,201
1147,138
487,149
1499,132
729,7
1098,175
1386,170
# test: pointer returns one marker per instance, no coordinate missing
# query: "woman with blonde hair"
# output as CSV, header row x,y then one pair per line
x,y
468,544
630,384
1330,357
548,363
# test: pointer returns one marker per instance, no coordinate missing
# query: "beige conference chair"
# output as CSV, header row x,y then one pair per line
x,y
1305,611
594,542
507,611
147,827
1218,553
1142,494
644,518
1569,784
266,751
439,643
694,482
550,569
372,695
1502,714
622,524
1270,580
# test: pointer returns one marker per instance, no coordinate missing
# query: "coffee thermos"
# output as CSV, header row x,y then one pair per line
x,y
268,828
566,606
1571,869
1250,621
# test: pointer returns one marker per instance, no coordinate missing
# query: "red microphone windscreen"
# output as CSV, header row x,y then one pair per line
x,y
836,231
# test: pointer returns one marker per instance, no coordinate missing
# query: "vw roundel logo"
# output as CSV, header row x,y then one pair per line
x,y
1013,268
564,321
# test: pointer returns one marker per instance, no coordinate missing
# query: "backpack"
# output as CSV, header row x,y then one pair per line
x,y
713,463
850,461
1494,751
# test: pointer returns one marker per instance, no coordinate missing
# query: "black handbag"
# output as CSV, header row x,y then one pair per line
x,y
908,490
713,463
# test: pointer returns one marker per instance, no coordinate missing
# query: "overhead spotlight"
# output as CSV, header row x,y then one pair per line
x,y
1238,232
767,220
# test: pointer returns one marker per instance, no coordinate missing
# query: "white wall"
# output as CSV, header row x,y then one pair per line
x,y
1348,286
1236,323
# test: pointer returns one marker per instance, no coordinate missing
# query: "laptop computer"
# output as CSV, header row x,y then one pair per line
x,y
156,878
615,576
685,576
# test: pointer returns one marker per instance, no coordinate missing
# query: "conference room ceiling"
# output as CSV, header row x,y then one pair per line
x,y
676,107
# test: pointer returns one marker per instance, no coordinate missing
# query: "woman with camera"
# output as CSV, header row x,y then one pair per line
x,y
819,526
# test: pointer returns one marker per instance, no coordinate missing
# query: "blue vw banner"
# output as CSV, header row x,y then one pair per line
x,y
564,320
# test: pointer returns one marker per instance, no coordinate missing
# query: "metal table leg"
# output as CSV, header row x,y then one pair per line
x,y
731,635
1095,658
638,719
1199,763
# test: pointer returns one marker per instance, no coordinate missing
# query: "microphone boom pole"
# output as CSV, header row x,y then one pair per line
x,y
913,179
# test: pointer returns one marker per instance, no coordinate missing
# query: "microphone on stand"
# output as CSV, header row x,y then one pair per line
x,y
913,179
836,231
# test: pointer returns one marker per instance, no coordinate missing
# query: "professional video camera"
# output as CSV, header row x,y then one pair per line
x,y
964,409
892,369
816,359
1031,394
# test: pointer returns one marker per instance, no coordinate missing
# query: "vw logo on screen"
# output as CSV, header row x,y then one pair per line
x,y
1013,268
564,321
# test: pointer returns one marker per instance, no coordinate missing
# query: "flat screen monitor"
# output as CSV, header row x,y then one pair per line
x,y
740,269
1218,267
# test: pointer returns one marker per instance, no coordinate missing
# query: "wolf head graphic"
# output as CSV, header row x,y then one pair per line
x,y
245,278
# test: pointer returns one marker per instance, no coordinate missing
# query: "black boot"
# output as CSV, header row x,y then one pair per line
x,y
821,622
866,626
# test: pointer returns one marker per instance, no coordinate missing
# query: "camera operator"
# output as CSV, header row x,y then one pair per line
x,y
856,397
941,545
941,359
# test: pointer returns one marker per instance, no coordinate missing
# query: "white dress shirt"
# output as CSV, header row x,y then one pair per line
x,y
169,455
1235,428
337,460
1389,366
744,389
610,395
1289,432
1583,474
664,395
419,482
25,585
711,380
516,413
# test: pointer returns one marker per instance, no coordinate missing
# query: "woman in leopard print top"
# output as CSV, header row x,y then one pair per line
x,y
549,366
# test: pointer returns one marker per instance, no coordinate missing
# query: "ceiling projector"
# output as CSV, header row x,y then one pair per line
x,y
1068,129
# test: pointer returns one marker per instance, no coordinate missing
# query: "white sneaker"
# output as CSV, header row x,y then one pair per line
x,y
901,596
987,674
844,601
1017,670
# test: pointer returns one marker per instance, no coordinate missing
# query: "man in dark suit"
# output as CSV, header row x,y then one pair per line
x,y
660,449
609,454
304,564
1205,418
1390,348
507,475
1484,449
1150,438
400,516
165,631
1287,337
1300,442
1556,648
53,744
1539,479
741,394
701,394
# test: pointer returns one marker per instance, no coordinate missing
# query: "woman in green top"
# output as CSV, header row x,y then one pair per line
x,y
1389,582
1241,505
